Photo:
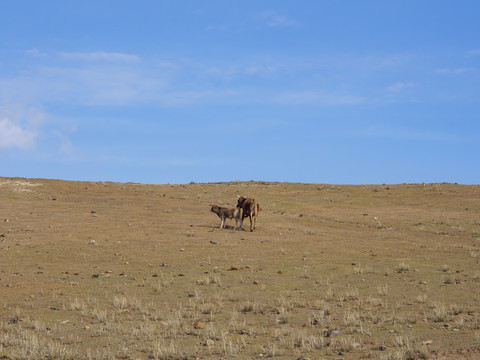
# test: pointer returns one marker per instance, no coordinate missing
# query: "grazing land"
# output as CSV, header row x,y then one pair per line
x,y
131,271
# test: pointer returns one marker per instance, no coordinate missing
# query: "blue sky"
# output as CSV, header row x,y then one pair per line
x,y
316,91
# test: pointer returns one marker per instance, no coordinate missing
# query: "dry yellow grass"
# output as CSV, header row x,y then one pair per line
x,y
131,271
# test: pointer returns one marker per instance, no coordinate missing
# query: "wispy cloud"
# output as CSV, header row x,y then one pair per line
x,y
318,98
36,53
118,79
90,85
175,98
66,146
100,56
273,19
474,52
382,132
447,71
386,60
231,72
401,85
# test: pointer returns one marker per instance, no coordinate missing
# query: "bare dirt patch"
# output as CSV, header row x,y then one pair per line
x,y
17,184
131,271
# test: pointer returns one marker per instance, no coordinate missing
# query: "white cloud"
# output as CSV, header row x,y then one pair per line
x,y
100,56
20,126
14,135
28,127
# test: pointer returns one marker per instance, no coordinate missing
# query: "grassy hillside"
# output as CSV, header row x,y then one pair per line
x,y
131,271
